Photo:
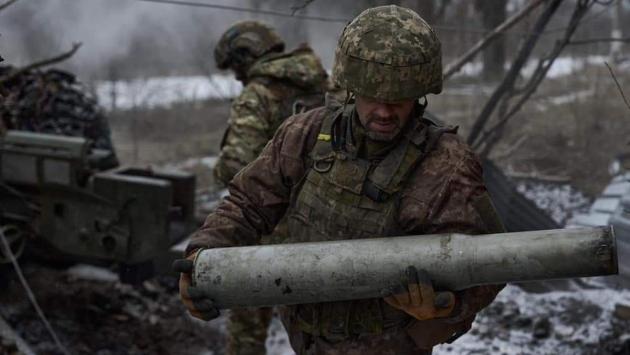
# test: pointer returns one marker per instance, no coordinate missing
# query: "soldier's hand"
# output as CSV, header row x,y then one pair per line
x,y
197,304
416,297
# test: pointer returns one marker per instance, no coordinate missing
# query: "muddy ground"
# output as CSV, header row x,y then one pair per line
x,y
92,313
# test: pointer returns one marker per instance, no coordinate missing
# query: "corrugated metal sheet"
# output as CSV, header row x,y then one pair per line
x,y
604,207
592,219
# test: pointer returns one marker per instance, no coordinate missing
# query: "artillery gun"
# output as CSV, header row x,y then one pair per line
x,y
52,193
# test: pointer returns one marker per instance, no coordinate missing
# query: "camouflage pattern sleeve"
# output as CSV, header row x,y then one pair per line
x,y
259,194
247,133
448,205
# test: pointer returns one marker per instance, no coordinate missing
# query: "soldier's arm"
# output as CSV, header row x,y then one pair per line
x,y
259,194
455,204
247,134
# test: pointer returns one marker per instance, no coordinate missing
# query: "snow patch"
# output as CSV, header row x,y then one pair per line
x,y
577,322
158,92
208,162
560,201
562,66
90,272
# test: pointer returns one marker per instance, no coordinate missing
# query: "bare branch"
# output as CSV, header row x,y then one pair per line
x,y
618,86
507,84
296,8
492,136
7,4
42,63
486,40
597,40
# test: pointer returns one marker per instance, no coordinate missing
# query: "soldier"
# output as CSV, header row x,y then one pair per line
x,y
371,167
275,85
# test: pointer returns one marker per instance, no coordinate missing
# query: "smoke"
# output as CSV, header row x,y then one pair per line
x,y
128,38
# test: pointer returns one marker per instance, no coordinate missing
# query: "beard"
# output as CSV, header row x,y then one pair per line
x,y
383,136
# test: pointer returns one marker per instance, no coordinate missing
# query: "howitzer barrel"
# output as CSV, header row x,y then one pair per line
x,y
365,268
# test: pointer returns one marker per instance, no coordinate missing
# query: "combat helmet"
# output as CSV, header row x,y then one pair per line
x,y
389,53
246,38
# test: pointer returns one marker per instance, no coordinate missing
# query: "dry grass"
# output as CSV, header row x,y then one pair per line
x,y
573,126
164,135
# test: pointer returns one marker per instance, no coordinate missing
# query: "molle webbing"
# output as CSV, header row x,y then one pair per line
x,y
343,196
389,175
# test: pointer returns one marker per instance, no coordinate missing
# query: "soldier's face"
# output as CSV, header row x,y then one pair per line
x,y
383,120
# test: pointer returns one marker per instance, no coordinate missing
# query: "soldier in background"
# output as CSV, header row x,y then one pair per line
x,y
372,167
276,85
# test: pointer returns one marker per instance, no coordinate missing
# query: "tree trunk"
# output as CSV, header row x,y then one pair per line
x,y
616,31
493,13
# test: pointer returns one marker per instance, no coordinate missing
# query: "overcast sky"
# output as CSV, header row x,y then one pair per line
x,y
171,37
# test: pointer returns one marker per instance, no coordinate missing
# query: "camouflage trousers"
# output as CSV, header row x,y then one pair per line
x,y
247,330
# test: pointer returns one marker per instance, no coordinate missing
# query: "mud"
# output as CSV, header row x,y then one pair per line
x,y
106,317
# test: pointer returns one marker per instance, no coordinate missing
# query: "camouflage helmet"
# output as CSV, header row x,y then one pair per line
x,y
250,37
389,53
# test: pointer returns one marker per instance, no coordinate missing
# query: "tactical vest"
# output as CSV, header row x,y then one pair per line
x,y
289,100
344,196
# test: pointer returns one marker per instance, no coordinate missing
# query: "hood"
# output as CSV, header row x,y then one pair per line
x,y
301,67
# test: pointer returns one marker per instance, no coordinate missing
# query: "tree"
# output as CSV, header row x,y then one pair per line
x,y
493,13
509,97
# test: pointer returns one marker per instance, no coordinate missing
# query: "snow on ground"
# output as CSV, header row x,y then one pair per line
x,y
586,321
544,102
560,322
562,66
191,163
560,201
165,91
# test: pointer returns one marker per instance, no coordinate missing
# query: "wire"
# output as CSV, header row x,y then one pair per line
x,y
29,292
346,20
248,10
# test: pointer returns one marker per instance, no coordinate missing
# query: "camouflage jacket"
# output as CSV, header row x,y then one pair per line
x,y
438,198
275,83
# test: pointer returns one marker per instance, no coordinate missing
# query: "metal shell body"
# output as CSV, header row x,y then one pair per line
x,y
365,268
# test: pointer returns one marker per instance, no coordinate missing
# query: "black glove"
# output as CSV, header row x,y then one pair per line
x,y
193,298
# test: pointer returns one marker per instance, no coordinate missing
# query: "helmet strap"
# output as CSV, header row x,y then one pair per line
x,y
349,98
421,106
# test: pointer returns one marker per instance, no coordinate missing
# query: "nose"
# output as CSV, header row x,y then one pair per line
x,y
383,110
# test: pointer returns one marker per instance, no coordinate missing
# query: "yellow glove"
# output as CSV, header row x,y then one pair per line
x,y
197,304
417,298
